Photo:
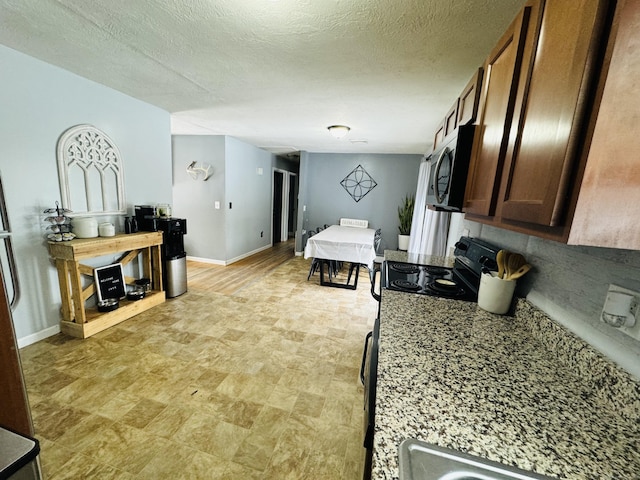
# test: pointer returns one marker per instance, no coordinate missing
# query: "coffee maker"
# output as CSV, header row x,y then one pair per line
x,y
146,218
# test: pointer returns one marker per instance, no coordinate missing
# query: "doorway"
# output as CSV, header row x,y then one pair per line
x,y
285,202
276,223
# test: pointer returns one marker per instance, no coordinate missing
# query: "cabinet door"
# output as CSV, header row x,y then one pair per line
x,y
551,112
451,120
501,73
14,404
469,99
609,203
439,136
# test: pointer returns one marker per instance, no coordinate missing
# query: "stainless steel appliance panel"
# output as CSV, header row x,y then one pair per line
x,y
176,274
449,166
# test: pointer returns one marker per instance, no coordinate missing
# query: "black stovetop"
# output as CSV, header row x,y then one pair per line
x,y
459,282
426,280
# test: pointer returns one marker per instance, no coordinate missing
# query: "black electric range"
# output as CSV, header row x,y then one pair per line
x,y
459,282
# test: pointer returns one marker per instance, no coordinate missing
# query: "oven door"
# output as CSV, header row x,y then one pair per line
x,y
368,376
448,168
440,167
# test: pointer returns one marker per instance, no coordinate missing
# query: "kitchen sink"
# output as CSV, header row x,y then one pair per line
x,y
423,461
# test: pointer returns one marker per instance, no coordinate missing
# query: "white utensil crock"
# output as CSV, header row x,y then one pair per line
x,y
495,294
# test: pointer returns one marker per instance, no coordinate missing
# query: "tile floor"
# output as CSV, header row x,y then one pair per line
x,y
259,384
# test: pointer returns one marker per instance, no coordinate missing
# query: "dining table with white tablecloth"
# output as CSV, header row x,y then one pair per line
x,y
343,244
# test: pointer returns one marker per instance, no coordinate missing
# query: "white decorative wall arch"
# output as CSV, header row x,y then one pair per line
x,y
91,172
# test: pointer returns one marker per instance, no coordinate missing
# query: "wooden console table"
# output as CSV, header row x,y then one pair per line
x,y
79,321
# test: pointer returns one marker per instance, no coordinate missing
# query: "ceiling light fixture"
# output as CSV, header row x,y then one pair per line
x,y
338,131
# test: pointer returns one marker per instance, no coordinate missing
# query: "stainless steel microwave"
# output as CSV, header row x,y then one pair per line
x,y
448,168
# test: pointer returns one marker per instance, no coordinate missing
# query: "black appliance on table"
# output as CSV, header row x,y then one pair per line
x,y
146,218
460,282
174,257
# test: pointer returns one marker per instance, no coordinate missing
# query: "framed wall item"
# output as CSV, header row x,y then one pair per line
x,y
358,183
90,171
110,281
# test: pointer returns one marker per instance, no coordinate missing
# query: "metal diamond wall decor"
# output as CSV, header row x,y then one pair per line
x,y
358,183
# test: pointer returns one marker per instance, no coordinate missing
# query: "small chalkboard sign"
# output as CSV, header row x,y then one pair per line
x,y
110,281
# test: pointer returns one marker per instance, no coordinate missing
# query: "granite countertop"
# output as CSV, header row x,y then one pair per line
x,y
519,390
403,256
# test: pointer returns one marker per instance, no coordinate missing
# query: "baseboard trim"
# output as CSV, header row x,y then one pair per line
x,y
206,260
230,261
248,254
36,337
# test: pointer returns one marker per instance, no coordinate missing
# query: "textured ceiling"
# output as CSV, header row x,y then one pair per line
x,y
274,73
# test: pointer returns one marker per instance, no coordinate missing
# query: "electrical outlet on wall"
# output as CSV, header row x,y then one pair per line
x,y
617,304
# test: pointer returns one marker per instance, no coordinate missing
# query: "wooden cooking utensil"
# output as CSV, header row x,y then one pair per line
x,y
514,262
501,256
519,272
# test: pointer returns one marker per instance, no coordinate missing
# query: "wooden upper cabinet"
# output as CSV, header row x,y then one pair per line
x,y
501,73
439,136
551,111
451,120
469,99
608,206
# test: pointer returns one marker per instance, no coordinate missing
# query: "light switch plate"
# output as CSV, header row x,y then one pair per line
x,y
634,331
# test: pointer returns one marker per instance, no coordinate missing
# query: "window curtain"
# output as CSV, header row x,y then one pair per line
x,y
429,229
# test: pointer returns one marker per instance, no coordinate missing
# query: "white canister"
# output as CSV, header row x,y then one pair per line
x,y
106,229
85,227
495,293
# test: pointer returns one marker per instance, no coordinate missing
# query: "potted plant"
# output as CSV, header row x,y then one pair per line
x,y
405,215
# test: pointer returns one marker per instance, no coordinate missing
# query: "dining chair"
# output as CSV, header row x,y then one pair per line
x,y
377,242
333,266
314,261
377,246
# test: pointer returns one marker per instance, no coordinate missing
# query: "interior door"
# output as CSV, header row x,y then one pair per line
x,y
276,225
14,406
293,205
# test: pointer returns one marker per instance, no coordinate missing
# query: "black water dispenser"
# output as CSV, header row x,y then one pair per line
x,y
174,257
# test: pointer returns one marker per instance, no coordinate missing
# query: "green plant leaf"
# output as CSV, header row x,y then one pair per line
x,y
405,214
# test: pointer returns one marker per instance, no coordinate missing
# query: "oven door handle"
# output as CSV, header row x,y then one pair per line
x,y
374,271
364,355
